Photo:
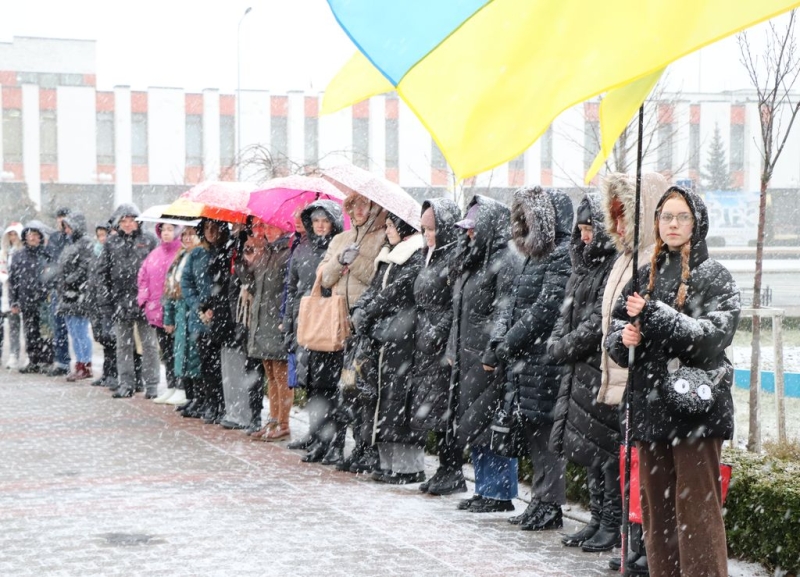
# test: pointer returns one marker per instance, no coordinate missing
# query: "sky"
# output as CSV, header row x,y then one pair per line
x,y
285,44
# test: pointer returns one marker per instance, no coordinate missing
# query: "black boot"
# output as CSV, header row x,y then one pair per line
x,y
316,452
435,479
488,505
527,514
368,463
584,534
449,483
547,517
608,535
596,481
301,444
334,455
347,462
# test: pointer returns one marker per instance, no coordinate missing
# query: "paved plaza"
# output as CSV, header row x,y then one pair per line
x,y
91,485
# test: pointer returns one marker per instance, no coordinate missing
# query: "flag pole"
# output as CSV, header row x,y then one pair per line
x,y
626,500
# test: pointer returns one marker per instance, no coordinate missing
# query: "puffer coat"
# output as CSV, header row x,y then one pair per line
x,y
584,431
541,227
120,260
388,300
484,274
433,298
26,275
74,266
697,335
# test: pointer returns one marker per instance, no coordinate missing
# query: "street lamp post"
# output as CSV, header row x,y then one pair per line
x,y
239,94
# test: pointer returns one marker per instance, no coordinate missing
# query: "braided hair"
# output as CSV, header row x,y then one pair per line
x,y
680,298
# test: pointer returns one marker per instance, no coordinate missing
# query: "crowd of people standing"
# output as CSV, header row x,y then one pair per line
x,y
499,333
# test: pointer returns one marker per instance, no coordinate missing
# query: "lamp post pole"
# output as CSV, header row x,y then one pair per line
x,y
239,94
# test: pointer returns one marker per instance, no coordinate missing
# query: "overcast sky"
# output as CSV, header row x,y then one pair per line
x,y
286,44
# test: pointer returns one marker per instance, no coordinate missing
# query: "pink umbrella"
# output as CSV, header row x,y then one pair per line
x,y
280,198
350,178
223,200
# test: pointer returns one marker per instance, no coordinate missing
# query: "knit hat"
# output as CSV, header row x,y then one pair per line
x,y
584,215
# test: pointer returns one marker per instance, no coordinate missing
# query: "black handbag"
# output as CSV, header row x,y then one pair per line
x,y
690,390
507,438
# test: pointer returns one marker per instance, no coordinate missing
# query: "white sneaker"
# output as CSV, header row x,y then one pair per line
x,y
12,362
177,398
164,397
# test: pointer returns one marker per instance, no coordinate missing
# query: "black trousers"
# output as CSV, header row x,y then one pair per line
x,y
209,388
165,346
38,348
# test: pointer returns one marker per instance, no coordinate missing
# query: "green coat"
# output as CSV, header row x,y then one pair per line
x,y
176,313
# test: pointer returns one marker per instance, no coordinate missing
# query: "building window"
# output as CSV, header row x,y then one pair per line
x,y
438,161
361,142
105,138
48,137
665,133
139,138
737,147
227,140
194,140
392,143
12,135
547,149
591,142
694,146
311,136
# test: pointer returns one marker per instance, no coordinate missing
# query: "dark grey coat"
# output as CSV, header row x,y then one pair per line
x,y
698,336
542,225
265,339
483,278
584,431
74,266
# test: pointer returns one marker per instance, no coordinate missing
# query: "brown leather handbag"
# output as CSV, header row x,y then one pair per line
x,y
323,323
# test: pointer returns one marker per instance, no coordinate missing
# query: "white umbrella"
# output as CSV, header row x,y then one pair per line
x,y
153,214
350,178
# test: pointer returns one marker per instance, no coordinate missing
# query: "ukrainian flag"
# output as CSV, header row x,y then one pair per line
x,y
487,77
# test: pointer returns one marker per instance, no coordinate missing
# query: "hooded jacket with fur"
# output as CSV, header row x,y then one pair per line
x,y
74,266
541,224
622,187
152,275
28,274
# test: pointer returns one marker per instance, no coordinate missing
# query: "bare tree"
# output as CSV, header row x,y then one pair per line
x,y
266,164
773,74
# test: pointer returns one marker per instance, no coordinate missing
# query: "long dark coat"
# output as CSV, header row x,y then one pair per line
x,y
74,266
390,295
483,278
176,314
542,225
698,336
120,261
26,283
433,298
584,431
265,339
315,369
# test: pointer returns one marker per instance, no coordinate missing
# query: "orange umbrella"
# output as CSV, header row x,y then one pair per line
x,y
218,200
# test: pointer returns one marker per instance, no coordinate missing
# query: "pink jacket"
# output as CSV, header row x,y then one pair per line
x,y
152,275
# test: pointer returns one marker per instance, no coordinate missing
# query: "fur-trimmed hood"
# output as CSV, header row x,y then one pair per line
x,y
623,187
539,219
402,251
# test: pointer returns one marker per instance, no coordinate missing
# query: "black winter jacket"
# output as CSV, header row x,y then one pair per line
x,y
529,315
484,272
380,311
28,273
697,336
433,298
120,261
74,267
585,431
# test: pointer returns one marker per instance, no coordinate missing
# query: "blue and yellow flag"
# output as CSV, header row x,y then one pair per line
x,y
487,77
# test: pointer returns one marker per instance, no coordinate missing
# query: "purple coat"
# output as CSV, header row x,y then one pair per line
x,y
151,278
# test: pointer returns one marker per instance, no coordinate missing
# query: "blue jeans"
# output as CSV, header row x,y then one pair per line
x,y
495,476
78,328
60,334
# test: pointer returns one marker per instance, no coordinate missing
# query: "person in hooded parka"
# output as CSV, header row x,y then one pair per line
x,y
317,371
204,286
120,260
618,191
74,267
28,292
686,316
587,432
101,311
430,381
483,272
541,226
386,316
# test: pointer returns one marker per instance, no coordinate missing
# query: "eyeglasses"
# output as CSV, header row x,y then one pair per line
x,y
683,217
